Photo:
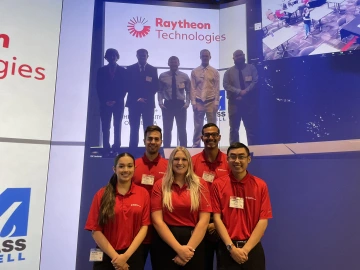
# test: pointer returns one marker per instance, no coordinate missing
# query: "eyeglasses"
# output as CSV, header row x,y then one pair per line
x,y
214,135
235,157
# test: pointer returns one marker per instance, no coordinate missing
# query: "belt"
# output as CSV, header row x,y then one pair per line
x,y
239,243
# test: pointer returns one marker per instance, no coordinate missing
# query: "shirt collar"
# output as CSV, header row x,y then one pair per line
x,y
148,161
217,159
244,180
140,65
130,191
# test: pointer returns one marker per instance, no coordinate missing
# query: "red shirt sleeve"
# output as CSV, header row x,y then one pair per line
x,y
205,201
156,196
265,211
215,198
146,213
92,220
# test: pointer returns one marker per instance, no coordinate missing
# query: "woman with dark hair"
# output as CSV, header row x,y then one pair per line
x,y
119,217
180,206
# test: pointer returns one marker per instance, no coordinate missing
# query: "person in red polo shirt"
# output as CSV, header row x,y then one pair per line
x,y
241,206
119,217
180,206
148,169
210,164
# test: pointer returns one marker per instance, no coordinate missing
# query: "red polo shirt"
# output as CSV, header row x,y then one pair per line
x,y
156,168
219,166
240,223
181,214
132,211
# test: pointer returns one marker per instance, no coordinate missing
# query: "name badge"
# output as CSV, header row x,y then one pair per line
x,y
236,202
208,176
181,85
147,179
148,79
96,255
248,78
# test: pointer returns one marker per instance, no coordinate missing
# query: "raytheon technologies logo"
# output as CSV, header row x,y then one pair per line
x,y
138,28
14,217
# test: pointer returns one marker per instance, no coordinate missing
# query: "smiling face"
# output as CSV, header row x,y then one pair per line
x,y
152,142
211,137
180,163
124,169
238,160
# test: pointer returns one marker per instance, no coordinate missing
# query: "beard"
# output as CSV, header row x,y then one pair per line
x,y
240,61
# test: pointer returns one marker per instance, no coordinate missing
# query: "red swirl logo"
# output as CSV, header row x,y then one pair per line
x,y
137,27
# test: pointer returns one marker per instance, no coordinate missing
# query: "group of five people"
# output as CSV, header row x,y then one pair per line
x,y
176,90
181,210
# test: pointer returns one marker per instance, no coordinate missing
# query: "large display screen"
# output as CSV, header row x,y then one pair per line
x,y
309,27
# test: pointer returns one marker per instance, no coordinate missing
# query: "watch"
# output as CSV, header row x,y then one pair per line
x,y
228,247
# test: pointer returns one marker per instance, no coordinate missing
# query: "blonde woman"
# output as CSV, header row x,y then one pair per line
x,y
119,217
180,206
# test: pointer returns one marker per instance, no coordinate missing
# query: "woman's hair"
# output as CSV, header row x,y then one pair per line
x,y
107,204
191,180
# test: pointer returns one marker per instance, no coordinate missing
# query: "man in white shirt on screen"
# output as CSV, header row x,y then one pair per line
x,y
205,94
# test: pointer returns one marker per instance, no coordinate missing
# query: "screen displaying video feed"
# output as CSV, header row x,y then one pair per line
x,y
294,28
166,31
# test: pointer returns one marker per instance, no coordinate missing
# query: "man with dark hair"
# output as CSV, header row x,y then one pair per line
x,y
111,92
205,94
148,169
175,90
142,85
241,206
210,164
239,82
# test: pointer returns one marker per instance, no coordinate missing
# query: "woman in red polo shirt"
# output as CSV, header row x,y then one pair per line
x,y
180,206
119,217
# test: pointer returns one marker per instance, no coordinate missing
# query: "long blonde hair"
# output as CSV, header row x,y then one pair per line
x,y
191,180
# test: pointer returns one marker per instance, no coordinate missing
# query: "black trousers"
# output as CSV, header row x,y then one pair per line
x,y
163,254
135,113
211,242
256,260
106,112
136,261
242,110
174,109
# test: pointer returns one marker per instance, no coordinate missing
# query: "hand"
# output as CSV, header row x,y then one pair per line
x,y
243,92
211,228
142,100
185,106
185,253
194,107
126,267
239,98
239,255
110,103
119,262
179,261
162,106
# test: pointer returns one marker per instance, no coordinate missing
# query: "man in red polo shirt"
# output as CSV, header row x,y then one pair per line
x,y
148,169
210,164
241,206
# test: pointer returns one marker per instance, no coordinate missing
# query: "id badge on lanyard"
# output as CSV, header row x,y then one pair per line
x,y
96,255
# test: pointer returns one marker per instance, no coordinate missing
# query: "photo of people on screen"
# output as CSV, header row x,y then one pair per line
x,y
205,94
110,86
239,82
142,85
174,99
302,27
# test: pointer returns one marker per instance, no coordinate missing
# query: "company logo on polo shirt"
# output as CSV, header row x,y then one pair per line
x,y
14,218
137,27
250,198
135,204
